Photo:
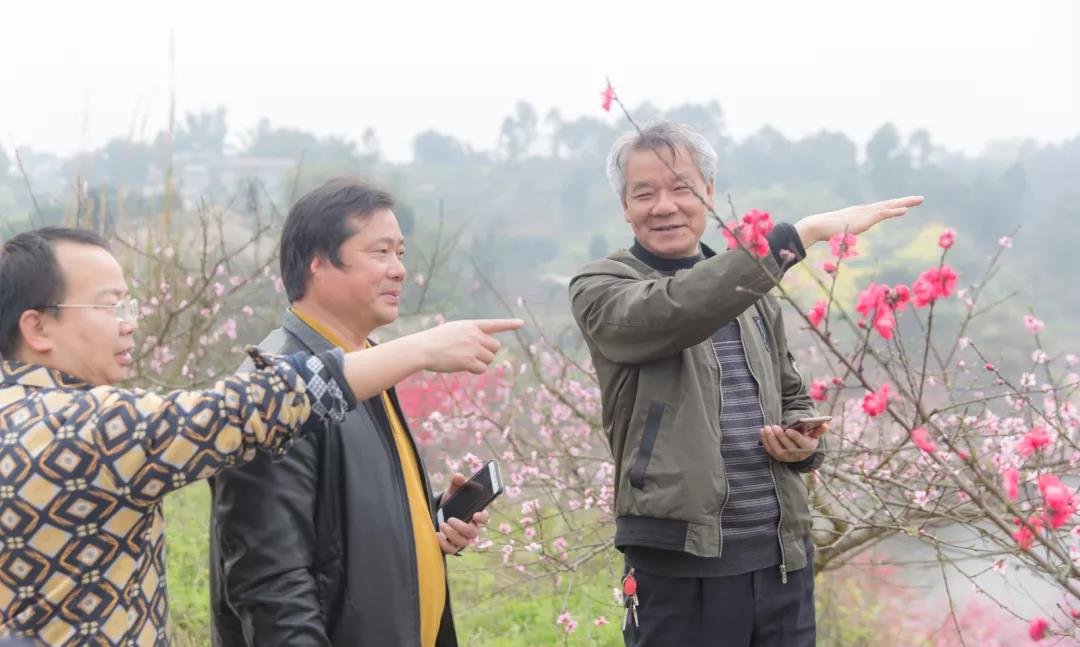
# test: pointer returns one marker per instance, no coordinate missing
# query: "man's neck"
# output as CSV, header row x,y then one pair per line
x,y
664,264
27,356
350,332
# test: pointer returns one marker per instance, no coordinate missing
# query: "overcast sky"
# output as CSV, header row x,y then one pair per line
x,y
73,75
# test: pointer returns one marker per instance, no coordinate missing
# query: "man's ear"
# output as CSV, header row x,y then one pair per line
x,y
34,329
316,266
710,190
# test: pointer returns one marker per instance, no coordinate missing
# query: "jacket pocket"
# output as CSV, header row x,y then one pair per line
x,y
764,333
648,441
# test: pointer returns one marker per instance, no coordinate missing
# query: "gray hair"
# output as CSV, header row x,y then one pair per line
x,y
660,133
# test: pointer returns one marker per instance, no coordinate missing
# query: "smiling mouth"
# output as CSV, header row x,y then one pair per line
x,y
668,228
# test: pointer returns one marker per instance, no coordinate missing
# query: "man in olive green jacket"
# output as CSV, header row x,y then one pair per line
x,y
699,393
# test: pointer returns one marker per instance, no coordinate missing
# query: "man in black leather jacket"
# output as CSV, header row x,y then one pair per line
x,y
336,543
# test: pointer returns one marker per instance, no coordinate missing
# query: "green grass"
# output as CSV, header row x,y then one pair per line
x,y
187,530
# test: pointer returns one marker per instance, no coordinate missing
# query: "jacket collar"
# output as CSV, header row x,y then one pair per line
x,y
306,335
669,264
36,375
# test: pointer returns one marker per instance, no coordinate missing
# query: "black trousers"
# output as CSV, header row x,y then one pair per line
x,y
750,610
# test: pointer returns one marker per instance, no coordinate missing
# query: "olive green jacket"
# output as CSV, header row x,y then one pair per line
x,y
649,334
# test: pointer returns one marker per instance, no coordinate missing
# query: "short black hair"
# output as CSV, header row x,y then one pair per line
x,y
30,276
320,222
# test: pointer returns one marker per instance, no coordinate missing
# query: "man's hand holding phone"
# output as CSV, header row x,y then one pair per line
x,y
797,442
476,493
454,534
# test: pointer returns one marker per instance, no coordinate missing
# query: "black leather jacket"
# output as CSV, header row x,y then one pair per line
x,y
317,549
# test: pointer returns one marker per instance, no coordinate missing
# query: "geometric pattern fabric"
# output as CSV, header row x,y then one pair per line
x,y
82,474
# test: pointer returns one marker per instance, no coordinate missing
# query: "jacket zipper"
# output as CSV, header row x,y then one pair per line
x,y
772,474
727,484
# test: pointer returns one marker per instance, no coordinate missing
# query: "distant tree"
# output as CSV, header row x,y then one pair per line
x,y
553,121
293,144
431,147
884,145
585,137
286,143
763,159
202,132
887,162
920,148
518,132
574,195
829,158
128,162
369,142
706,118
643,113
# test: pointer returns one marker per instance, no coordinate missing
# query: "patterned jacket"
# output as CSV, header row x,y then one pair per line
x,y
83,471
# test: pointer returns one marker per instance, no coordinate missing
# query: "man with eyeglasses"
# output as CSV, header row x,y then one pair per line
x,y
84,465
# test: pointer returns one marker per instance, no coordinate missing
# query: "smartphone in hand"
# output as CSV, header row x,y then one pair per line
x,y
805,425
476,494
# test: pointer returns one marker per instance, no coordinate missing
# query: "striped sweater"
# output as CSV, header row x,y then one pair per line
x,y
751,514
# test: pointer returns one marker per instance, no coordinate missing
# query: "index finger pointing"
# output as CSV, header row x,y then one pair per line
x,y
498,325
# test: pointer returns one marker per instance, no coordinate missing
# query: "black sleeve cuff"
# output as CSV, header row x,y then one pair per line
x,y
808,464
786,246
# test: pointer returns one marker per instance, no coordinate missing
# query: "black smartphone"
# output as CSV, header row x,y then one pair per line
x,y
477,493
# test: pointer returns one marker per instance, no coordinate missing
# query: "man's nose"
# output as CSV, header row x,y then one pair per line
x,y
127,328
664,205
397,269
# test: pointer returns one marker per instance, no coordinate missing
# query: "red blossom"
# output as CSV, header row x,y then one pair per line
x,y
1024,535
1038,627
843,245
1036,439
898,296
1032,324
829,267
817,313
921,438
879,302
945,241
870,299
885,323
1058,499
933,284
875,403
1011,477
750,233
608,95
818,389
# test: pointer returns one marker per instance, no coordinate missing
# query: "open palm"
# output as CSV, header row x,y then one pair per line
x,y
855,219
